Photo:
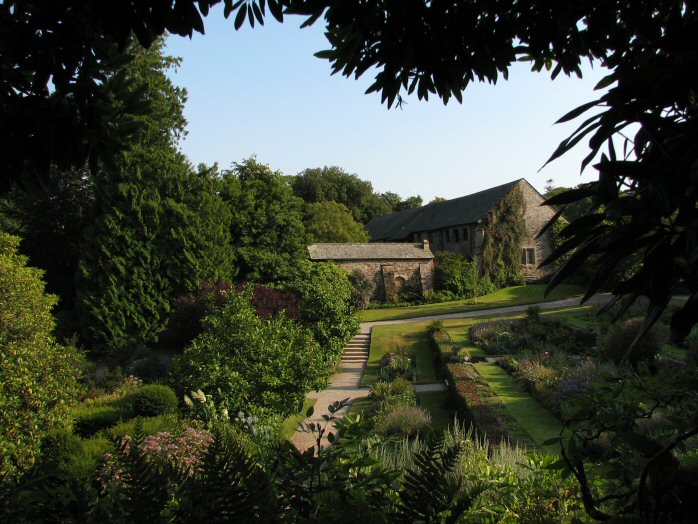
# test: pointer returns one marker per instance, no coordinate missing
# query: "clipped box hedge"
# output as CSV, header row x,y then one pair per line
x,y
90,419
472,398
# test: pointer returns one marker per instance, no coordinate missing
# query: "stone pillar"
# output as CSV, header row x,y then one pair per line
x,y
391,292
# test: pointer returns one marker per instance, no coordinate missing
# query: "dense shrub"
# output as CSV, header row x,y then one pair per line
x,y
326,306
412,290
189,310
269,302
536,376
153,400
58,487
146,426
556,380
617,342
58,447
362,289
89,419
503,337
250,364
496,337
460,276
398,364
150,368
405,421
38,377
391,394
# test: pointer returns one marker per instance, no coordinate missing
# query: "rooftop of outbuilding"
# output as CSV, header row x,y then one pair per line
x,y
463,210
370,251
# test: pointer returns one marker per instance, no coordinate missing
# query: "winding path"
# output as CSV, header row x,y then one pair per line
x,y
346,383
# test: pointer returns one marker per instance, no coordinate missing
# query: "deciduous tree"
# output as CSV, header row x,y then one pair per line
x,y
333,184
250,364
38,377
267,232
332,222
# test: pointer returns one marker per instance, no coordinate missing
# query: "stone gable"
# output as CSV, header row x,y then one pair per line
x,y
389,266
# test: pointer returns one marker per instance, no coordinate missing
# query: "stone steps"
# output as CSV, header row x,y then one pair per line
x,y
356,351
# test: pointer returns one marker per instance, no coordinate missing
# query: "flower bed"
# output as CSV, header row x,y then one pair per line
x,y
476,402
471,397
510,337
555,380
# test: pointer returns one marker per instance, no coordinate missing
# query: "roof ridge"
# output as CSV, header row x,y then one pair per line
x,y
462,210
369,251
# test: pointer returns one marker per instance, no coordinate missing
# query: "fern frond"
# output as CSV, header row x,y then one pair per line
x,y
429,492
229,487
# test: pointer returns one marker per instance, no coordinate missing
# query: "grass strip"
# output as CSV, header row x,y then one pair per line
x,y
433,402
533,418
510,296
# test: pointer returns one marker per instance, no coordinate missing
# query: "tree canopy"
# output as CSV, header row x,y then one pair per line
x,y
38,377
333,184
267,231
159,229
332,222
61,106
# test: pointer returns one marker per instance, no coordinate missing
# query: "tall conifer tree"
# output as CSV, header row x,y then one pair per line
x,y
160,230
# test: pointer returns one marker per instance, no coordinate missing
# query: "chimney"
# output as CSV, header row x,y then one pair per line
x,y
425,245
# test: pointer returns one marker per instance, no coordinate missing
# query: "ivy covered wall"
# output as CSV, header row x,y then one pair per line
x,y
504,233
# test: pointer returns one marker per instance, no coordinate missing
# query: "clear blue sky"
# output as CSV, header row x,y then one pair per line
x,y
262,92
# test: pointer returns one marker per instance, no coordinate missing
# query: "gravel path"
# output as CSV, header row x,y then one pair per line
x,y
345,384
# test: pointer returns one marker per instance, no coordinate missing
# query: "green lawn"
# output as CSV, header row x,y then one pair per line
x,y
433,402
290,424
537,421
579,316
459,330
386,339
510,296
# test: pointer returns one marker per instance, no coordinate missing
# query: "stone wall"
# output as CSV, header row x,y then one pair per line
x,y
388,275
536,217
464,239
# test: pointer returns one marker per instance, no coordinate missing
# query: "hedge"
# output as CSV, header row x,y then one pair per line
x,y
473,400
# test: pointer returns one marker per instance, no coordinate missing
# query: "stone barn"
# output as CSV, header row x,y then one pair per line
x,y
458,225
390,266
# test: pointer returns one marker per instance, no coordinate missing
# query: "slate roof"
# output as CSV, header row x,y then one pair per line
x,y
463,210
372,251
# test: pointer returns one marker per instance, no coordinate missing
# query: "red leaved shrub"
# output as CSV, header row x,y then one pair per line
x,y
189,310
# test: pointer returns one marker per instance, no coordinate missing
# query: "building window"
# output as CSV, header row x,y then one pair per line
x,y
456,235
528,256
447,236
465,234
